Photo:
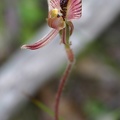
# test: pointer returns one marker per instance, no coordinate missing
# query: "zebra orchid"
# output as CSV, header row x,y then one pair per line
x,y
60,14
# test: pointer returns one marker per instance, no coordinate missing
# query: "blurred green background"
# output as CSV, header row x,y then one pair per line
x,y
19,21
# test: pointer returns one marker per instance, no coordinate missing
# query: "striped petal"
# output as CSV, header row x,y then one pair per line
x,y
74,9
42,42
52,4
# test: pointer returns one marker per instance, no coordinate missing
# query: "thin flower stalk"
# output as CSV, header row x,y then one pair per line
x,y
60,14
60,89
65,37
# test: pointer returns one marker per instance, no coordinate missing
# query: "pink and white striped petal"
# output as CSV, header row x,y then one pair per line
x,y
40,43
74,9
52,4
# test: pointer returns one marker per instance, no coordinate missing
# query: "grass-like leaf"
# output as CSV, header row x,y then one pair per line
x,y
44,108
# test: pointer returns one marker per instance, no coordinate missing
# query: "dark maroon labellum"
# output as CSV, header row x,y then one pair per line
x,y
63,4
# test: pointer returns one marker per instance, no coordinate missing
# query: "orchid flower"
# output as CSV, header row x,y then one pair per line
x,y
60,14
